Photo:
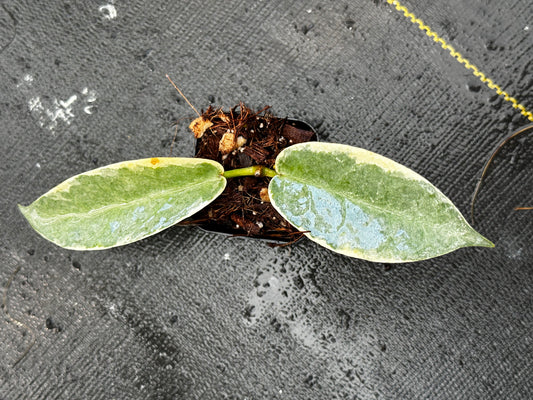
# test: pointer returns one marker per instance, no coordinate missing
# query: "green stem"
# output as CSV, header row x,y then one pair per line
x,y
255,170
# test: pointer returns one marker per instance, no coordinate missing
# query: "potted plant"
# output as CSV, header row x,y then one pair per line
x,y
260,176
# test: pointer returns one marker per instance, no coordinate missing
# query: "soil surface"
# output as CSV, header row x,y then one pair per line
x,y
242,138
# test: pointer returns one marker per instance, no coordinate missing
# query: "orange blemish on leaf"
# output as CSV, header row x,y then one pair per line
x,y
154,161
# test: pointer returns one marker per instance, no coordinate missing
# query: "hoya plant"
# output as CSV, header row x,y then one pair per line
x,y
347,199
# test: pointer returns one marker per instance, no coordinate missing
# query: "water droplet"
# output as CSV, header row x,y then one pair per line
x,y
474,87
350,24
249,313
490,45
298,282
273,282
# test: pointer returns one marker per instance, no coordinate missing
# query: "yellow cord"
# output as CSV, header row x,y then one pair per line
x,y
455,54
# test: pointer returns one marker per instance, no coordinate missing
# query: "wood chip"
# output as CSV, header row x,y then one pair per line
x,y
263,193
228,143
199,126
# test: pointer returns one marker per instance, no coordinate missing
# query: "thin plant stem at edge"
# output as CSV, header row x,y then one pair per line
x,y
255,170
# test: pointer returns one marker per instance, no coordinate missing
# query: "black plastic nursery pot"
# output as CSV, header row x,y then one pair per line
x,y
237,139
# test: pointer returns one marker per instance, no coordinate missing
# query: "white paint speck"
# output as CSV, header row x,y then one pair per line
x,y
68,103
49,113
35,104
309,11
526,28
226,257
26,80
89,94
37,165
60,110
88,109
90,97
109,11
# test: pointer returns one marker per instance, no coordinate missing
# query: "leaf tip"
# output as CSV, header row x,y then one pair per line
x,y
484,242
478,240
23,210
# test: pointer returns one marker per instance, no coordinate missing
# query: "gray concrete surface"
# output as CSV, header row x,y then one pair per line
x,y
193,315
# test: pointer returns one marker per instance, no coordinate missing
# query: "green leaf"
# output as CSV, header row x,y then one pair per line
x,y
124,202
364,205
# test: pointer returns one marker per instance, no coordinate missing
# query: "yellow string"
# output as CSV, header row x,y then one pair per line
x,y
455,54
